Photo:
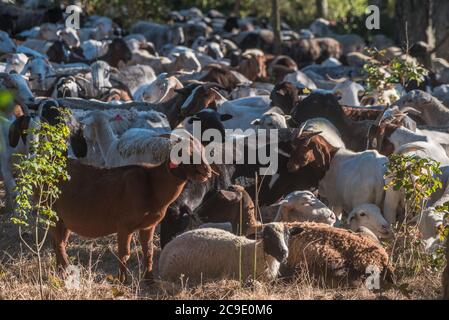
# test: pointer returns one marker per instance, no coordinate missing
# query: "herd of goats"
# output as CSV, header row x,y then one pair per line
x,y
325,210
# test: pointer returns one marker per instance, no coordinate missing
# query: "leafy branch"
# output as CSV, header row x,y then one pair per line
x,y
382,73
39,173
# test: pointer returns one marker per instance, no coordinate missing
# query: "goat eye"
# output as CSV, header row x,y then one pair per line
x,y
362,214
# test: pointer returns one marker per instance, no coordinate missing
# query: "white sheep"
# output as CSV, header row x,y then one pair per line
x,y
213,253
367,218
226,226
304,206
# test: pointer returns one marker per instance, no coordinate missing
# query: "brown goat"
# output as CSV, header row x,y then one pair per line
x,y
226,206
222,75
281,66
115,95
308,51
97,202
310,148
378,135
360,113
253,65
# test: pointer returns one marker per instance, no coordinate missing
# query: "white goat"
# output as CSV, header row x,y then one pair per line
x,y
349,92
354,178
19,143
160,90
134,146
271,120
92,49
368,215
16,62
6,44
18,86
327,130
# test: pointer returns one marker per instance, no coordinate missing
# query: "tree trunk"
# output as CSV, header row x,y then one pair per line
x,y
276,22
321,8
446,275
426,20
237,8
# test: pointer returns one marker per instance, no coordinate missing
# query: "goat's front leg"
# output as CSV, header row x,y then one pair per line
x,y
146,241
60,238
124,251
10,186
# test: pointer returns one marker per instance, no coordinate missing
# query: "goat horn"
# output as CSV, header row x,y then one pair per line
x,y
340,80
214,172
303,126
411,110
381,116
210,85
6,55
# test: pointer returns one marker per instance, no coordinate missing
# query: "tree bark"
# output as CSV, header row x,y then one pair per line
x,y
426,20
321,9
237,8
276,22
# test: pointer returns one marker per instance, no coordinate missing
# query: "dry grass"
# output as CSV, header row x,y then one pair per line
x,y
98,264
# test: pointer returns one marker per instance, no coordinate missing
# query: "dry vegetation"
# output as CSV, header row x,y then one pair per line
x,y
97,260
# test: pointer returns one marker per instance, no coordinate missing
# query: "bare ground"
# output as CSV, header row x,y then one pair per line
x,y
98,264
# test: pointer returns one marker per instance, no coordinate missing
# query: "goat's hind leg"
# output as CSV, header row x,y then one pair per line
x,y
146,241
60,238
124,251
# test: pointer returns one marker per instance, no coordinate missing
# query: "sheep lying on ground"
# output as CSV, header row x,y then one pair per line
x,y
226,226
336,256
304,206
213,253
368,216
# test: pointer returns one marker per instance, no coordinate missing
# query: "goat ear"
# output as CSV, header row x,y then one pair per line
x,y
191,119
79,144
14,133
288,117
231,196
87,121
281,92
225,117
337,95
293,231
310,135
325,158
18,129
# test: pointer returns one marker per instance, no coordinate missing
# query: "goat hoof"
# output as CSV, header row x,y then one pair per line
x,y
149,277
